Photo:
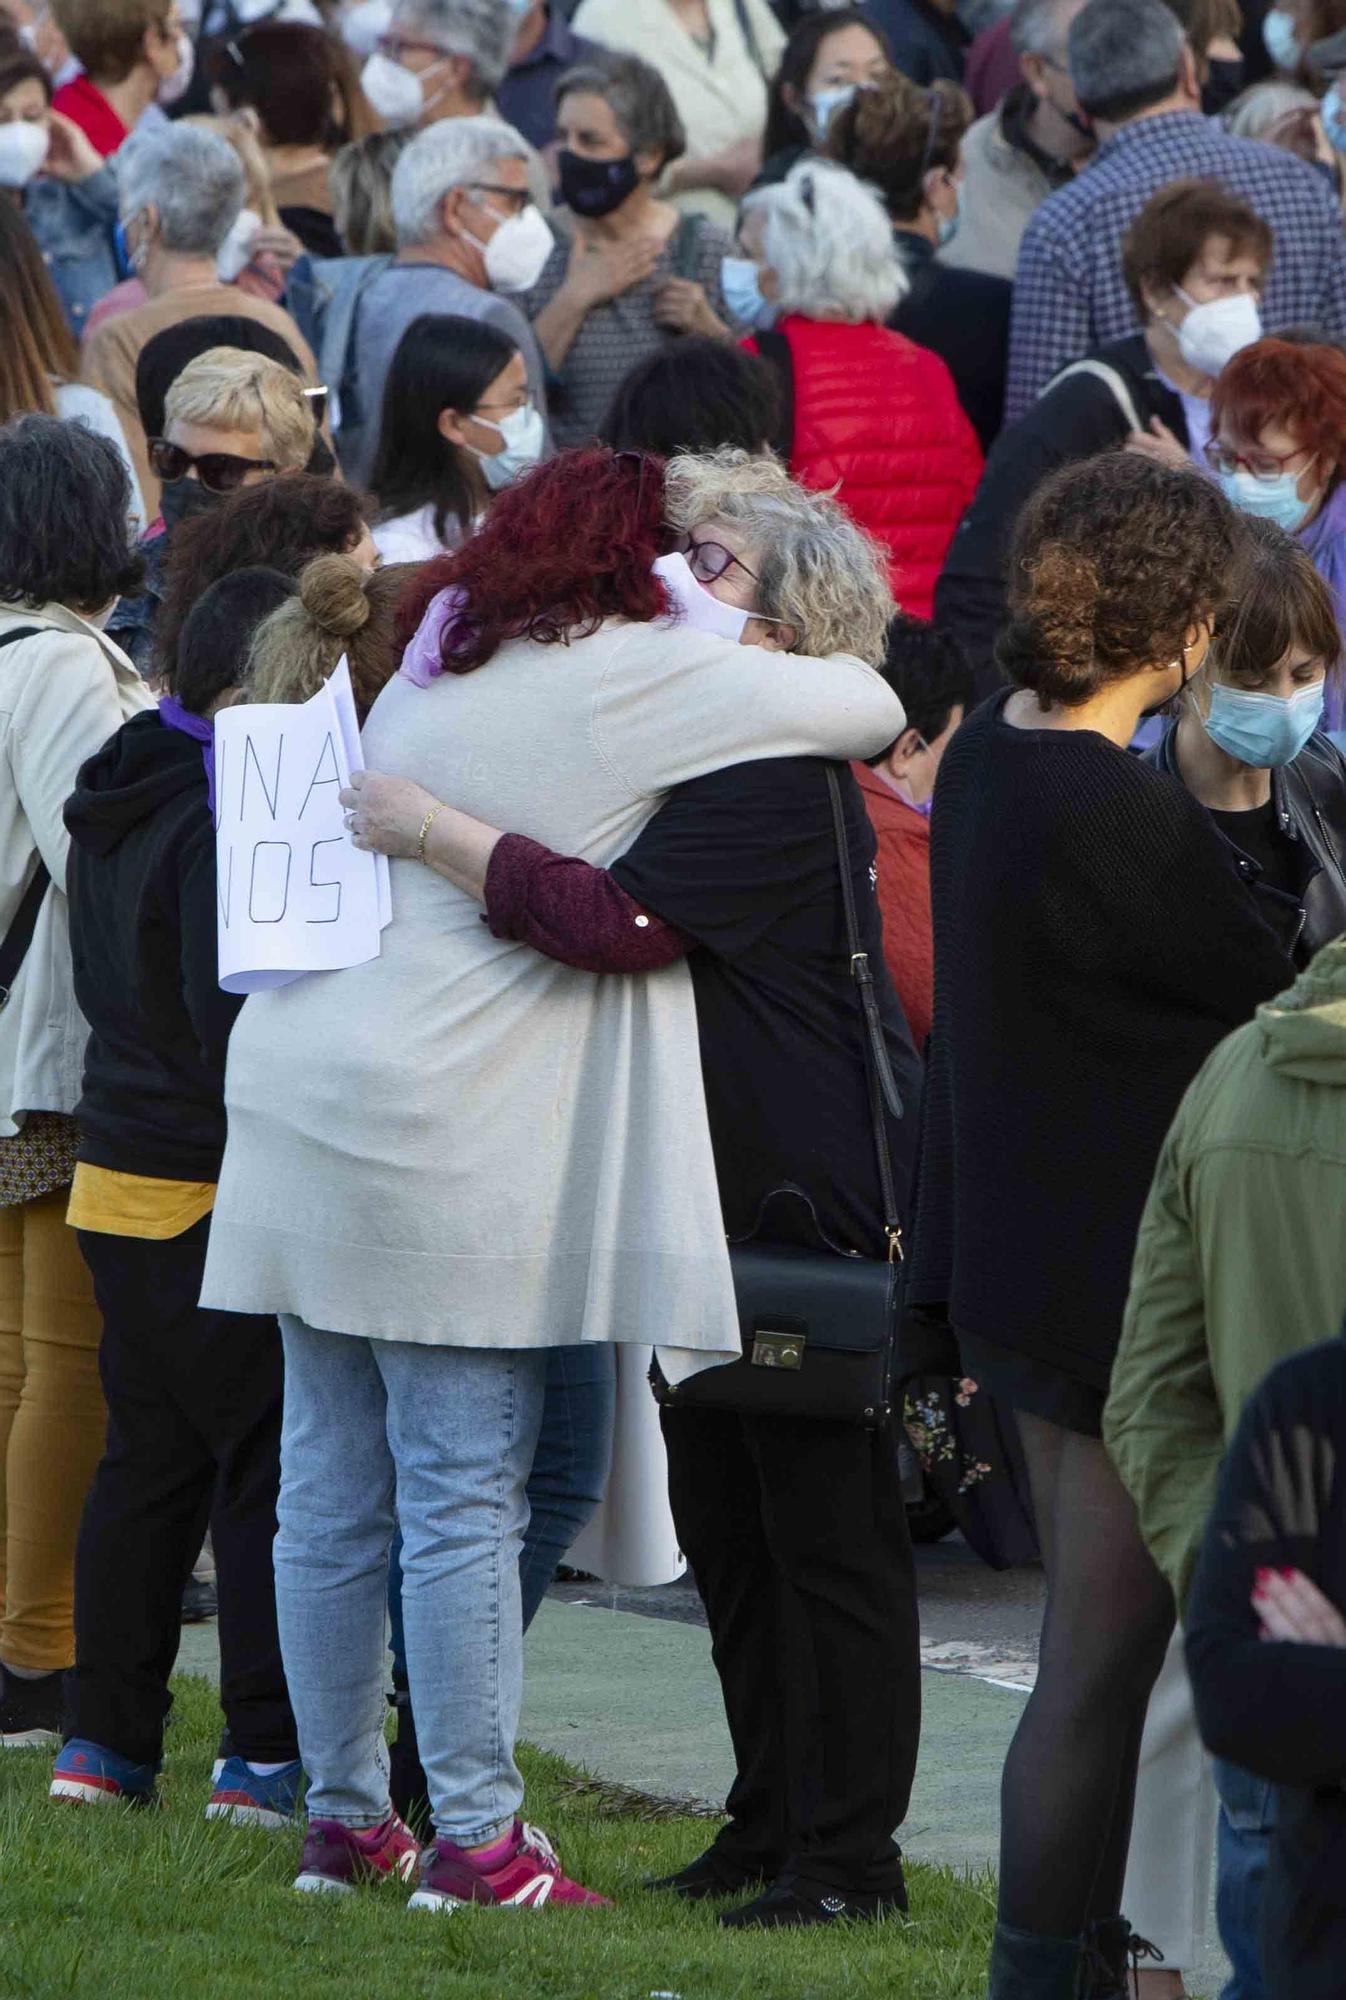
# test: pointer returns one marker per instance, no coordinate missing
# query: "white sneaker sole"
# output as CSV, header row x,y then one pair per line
x,y
434,1899
76,1793
236,1815
322,1885
31,1739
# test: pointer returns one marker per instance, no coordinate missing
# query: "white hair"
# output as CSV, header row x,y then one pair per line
x,y
1265,105
481,30
450,153
829,240
815,567
192,178
1040,27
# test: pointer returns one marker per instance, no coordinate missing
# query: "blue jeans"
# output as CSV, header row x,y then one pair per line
x,y
1247,1817
440,1440
570,1472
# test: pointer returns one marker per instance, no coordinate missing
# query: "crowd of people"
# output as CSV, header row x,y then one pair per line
x,y
835,520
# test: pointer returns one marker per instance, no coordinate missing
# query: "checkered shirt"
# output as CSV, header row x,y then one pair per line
x,y
1069,296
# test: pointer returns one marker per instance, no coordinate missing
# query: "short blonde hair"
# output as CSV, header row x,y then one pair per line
x,y
246,392
816,568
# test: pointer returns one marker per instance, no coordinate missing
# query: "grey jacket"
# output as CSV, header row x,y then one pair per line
x,y
1003,190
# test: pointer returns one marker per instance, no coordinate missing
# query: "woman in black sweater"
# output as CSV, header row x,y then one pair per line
x,y
1093,941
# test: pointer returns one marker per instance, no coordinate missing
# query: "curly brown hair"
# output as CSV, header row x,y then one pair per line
x,y
1115,559
893,132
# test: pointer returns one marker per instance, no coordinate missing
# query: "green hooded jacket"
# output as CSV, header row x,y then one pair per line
x,y
1241,1256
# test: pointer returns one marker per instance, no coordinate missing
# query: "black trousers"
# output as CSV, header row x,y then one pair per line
x,y
194,1407
797,1535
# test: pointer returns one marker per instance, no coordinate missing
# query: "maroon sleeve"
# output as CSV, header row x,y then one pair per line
x,y
569,910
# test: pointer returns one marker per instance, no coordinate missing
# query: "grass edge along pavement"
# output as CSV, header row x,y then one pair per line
x,y
115,1902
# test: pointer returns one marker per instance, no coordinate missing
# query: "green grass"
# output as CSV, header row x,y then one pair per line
x,y
152,1905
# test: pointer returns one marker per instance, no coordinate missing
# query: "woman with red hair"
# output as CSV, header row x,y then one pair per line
x,y
1278,447
446,1162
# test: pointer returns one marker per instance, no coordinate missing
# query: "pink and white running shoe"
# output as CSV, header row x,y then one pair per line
x,y
337,1859
528,1878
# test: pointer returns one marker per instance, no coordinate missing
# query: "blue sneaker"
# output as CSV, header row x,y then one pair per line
x,y
88,1775
245,1799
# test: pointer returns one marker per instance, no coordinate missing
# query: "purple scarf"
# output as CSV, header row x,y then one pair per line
x,y
423,661
174,716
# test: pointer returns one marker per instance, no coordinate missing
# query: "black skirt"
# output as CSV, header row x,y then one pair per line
x,y
1022,1382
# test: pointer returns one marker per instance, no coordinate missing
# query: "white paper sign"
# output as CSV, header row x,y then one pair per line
x,y
295,894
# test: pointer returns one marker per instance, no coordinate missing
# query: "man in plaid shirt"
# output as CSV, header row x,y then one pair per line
x,y
1135,75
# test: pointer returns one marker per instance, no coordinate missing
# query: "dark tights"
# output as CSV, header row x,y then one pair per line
x,y
1070,1776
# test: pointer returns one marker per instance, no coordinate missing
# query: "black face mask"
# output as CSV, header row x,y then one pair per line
x,y
183,499
595,187
1223,84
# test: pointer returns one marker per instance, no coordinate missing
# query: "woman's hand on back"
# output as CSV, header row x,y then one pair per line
x,y
681,306
1291,1607
385,815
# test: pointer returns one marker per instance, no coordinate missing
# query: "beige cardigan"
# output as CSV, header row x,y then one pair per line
x,y
62,694
720,97
463,1143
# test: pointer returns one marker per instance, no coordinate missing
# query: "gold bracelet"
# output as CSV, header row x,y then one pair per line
x,y
426,825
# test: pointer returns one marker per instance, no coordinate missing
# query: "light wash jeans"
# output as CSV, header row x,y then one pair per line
x,y
568,1479
441,1439
1247,1822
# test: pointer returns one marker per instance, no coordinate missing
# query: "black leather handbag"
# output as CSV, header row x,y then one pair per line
x,y
819,1327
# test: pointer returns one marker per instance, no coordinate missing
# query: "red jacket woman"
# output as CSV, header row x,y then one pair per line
x,y
874,418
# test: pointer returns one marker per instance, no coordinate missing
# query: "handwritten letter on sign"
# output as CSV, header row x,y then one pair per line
x,y
295,895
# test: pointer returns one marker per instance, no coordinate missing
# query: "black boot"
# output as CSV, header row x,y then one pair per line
x,y
406,1774
1111,1960
1029,1965
711,1875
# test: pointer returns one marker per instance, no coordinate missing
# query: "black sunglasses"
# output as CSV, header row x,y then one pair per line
x,y
218,471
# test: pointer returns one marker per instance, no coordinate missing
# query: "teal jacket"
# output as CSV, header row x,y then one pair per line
x,y
1241,1257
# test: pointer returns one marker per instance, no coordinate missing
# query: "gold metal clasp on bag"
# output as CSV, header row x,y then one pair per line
x,y
778,1350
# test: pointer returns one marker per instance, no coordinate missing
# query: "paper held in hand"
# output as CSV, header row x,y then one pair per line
x,y
295,894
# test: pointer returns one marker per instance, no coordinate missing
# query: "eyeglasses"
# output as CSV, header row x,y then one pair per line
x,y
708,561
518,198
395,46
218,471
1263,465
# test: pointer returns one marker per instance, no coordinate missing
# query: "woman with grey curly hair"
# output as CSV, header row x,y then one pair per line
x,y
795,1529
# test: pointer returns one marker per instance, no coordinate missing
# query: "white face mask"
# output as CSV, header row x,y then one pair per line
x,y
515,255
235,253
1215,331
364,25
23,148
396,92
523,437
698,607
175,86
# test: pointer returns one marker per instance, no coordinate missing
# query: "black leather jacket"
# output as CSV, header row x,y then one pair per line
x,y
1310,798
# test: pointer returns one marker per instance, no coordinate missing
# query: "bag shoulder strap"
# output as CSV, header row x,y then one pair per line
x,y
14,945
774,348
686,246
1103,371
883,1091
749,34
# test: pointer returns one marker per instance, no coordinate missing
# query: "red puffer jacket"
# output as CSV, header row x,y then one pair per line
x,y
876,419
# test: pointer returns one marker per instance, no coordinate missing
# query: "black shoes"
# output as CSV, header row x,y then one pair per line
x,y
200,1603
32,1712
790,1904
710,1876
407,1785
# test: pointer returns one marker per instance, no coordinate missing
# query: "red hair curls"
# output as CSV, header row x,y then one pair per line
x,y
572,544
1301,387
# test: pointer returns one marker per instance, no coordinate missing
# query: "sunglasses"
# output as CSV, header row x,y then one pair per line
x,y
218,471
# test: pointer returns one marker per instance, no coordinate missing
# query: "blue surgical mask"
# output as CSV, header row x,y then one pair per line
x,y
1264,730
1334,119
742,293
948,227
1281,39
1268,499
824,103
524,439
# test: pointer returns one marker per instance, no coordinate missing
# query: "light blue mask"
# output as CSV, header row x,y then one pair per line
x,y
1268,499
948,227
1264,730
742,294
1280,38
824,103
1334,119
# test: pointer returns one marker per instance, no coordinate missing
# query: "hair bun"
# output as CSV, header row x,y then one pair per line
x,y
332,590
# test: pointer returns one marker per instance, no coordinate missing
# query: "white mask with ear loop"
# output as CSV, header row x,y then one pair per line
x,y
700,609
23,148
515,256
397,93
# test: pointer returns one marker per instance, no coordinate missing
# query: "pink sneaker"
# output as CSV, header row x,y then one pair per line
x,y
530,1877
337,1859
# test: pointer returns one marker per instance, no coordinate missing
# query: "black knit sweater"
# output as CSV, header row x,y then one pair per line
x,y
1093,941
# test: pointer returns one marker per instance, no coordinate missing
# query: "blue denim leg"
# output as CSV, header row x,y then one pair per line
x,y
570,1472
570,1466
1247,1817
334,1524
462,1428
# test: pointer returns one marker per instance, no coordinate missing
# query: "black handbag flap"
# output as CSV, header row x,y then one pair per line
x,y
842,1305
